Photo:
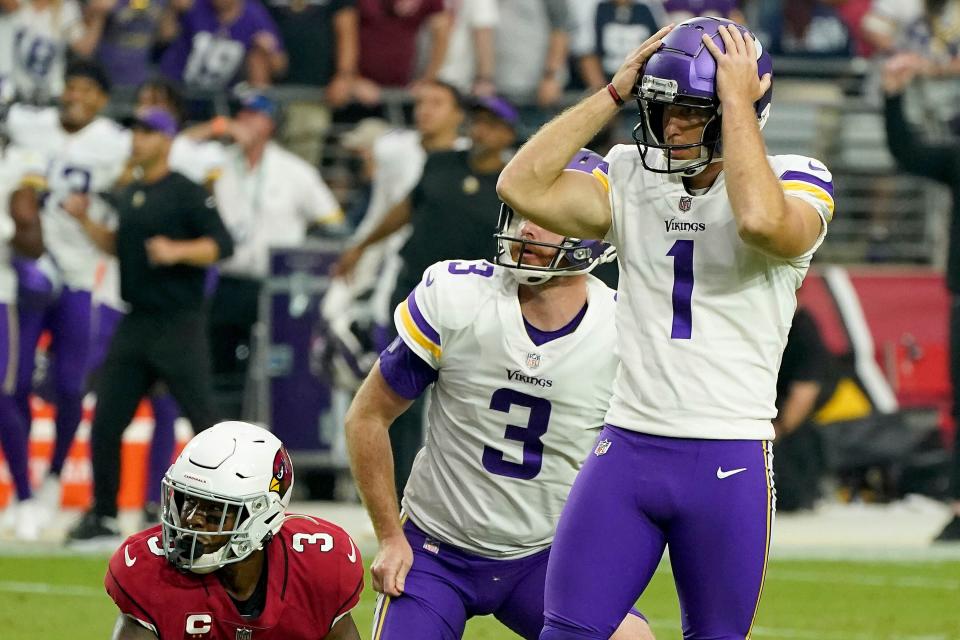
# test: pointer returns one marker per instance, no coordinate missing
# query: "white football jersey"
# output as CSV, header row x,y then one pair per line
x,y
702,317
88,161
40,39
509,422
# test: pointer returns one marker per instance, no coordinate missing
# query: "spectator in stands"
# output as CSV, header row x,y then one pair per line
x,y
602,43
936,36
322,40
269,197
852,13
388,33
805,28
940,162
43,33
128,40
360,141
7,9
470,60
216,39
532,45
371,270
886,23
451,214
807,379
680,10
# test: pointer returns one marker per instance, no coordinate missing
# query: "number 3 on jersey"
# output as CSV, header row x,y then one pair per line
x,y
530,435
682,254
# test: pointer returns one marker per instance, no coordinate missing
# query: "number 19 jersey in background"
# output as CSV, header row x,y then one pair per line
x,y
702,317
509,422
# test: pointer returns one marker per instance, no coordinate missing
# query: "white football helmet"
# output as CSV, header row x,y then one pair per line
x,y
241,472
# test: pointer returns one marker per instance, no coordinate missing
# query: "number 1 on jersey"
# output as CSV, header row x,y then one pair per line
x,y
682,253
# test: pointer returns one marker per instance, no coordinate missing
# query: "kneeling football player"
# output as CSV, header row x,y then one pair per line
x,y
227,561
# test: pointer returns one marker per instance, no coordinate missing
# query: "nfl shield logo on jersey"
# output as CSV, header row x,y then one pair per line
x,y
244,634
602,447
685,203
533,360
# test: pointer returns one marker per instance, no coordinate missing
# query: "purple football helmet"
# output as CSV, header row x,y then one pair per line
x,y
573,256
683,72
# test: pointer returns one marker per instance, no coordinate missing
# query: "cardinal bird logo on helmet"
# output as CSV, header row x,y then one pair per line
x,y
282,473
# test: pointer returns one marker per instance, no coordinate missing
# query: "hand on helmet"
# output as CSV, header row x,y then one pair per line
x,y
737,79
390,567
626,77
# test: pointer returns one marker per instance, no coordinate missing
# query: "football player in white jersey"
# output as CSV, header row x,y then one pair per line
x,y
76,155
520,356
714,238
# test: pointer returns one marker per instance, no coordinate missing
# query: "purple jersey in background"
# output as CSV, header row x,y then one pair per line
x,y
210,55
128,38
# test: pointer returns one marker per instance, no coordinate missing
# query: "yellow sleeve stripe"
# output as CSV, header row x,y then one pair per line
x,y
34,182
334,217
602,177
418,336
212,176
812,189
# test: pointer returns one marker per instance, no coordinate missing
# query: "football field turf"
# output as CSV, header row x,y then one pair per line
x,y
61,597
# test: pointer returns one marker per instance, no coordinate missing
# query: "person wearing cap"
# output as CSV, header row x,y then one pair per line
x,y
452,215
269,198
361,296
168,231
66,153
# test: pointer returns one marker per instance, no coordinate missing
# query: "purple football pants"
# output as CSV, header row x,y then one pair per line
x,y
14,432
67,315
711,501
446,586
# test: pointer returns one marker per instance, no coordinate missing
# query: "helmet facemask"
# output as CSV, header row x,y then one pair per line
x,y
654,95
571,257
245,524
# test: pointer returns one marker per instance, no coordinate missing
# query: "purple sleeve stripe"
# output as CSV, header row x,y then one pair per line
x,y
419,320
408,374
808,178
604,167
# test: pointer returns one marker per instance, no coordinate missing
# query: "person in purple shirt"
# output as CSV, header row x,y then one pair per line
x,y
217,38
129,35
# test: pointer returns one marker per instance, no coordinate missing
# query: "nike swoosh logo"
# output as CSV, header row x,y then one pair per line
x,y
429,278
815,167
352,556
721,474
126,557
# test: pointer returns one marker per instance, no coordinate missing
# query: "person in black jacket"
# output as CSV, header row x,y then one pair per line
x,y
168,231
940,162
807,379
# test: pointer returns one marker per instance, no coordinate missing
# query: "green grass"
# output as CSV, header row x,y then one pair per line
x,y
61,597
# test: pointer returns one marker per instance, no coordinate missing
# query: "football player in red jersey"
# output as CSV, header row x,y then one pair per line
x,y
227,562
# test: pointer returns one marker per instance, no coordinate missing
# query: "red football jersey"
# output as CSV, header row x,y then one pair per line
x,y
314,577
